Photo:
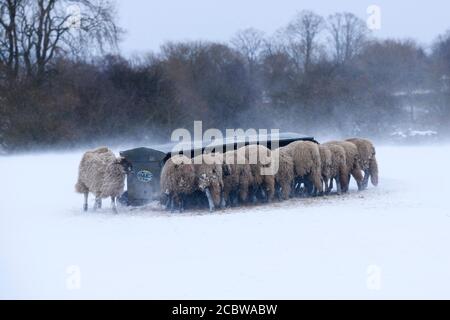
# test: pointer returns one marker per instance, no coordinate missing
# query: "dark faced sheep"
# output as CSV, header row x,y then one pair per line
x,y
369,165
209,177
237,178
177,181
284,178
307,164
262,168
102,174
353,163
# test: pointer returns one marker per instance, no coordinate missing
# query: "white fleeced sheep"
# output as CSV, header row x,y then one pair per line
x,y
353,163
338,170
101,174
284,178
177,181
369,164
260,160
307,165
209,178
237,178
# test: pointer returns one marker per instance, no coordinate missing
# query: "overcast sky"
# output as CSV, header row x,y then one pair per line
x,y
149,23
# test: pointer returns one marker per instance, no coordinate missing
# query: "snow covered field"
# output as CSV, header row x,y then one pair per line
x,y
389,242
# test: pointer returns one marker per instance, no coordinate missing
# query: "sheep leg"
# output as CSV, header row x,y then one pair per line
x,y
318,186
182,204
309,188
263,194
210,200
292,193
168,202
113,205
278,192
331,185
357,175
298,187
172,204
85,205
325,186
98,203
270,190
234,200
254,197
223,203
338,185
365,182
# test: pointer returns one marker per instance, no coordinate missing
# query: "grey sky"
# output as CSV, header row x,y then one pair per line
x,y
149,23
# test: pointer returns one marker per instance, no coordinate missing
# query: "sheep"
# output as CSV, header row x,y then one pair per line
x,y
260,160
338,169
285,176
369,165
352,163
307,164
326,163
177,181
209,178
102,174
237,177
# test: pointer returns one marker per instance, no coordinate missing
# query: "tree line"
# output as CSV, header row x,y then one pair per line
x,y
64,82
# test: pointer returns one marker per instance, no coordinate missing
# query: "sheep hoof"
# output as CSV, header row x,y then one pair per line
x,y
114,210
85,207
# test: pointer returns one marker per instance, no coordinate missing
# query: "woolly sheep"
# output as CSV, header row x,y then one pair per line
x,y
285,176
177,181
352,163
369,163
237,177
338,170
307,163
102,174
209,178
326,162
260,160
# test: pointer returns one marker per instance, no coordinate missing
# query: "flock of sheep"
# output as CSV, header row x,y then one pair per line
x,y
305,169
242,176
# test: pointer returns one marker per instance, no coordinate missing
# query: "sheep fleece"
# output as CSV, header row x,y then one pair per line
x,y
101,174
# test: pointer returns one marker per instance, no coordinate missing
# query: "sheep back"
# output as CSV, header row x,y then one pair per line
x,y
100,173
178,176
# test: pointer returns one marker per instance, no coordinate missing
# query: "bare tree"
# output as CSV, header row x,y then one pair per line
x,y
249,42
348,35
35,31
303,32
9,42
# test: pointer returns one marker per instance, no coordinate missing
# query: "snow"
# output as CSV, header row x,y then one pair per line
x,y
387,242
